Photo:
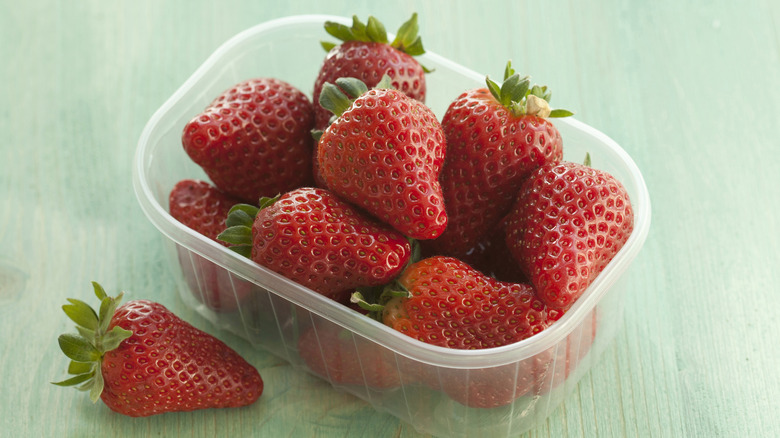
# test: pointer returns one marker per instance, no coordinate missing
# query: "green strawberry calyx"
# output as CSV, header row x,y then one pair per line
x,y
238,231
517,95
86,349
374,300
338,97
587,161
407,39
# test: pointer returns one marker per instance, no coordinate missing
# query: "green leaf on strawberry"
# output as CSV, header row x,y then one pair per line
x,y
374,300
86,349
375,30
407,39
352,87
338,97
239,225
516,94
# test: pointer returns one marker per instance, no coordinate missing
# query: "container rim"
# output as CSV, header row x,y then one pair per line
x,y
348,318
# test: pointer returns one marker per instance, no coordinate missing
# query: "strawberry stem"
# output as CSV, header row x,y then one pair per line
x,y
385,83
357,298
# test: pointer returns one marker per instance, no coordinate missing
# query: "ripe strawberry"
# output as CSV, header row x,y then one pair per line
x,y
316,239
533,376
142,360
452,305
204,208
200,206
254,139
568,222
334,353
366,54
530,377
495,137
384,153
443,301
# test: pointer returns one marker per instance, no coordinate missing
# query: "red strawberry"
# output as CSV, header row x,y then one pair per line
x,y
447,303
367,54
534,376
142,360
316,239
200,206
496,136
384,153
452,305
254,139
338,355
569,221
204,208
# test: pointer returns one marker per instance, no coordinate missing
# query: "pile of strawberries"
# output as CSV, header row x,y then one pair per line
x,y
467,232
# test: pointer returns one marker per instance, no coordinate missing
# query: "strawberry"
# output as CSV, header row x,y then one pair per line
x,y
204,208
530,377
496,136
568,222
316,239
536,375
334,353
200,206
452,305
384,153
142,360
443,301
533,376
254,139
366,54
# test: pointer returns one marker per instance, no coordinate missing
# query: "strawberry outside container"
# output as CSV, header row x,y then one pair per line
x,y
451,393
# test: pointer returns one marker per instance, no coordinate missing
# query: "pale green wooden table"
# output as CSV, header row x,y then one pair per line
x,y
689,89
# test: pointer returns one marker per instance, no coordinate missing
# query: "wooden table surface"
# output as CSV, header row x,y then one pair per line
x,y
689,89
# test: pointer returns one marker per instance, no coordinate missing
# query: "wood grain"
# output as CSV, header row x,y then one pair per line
x,y
689,89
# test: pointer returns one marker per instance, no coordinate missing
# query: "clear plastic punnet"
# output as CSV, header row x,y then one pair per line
x,y
501,391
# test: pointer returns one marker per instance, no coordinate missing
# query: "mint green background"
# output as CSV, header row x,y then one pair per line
x,y
689,89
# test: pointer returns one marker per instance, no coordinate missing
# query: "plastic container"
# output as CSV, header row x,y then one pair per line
x,y
438,391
